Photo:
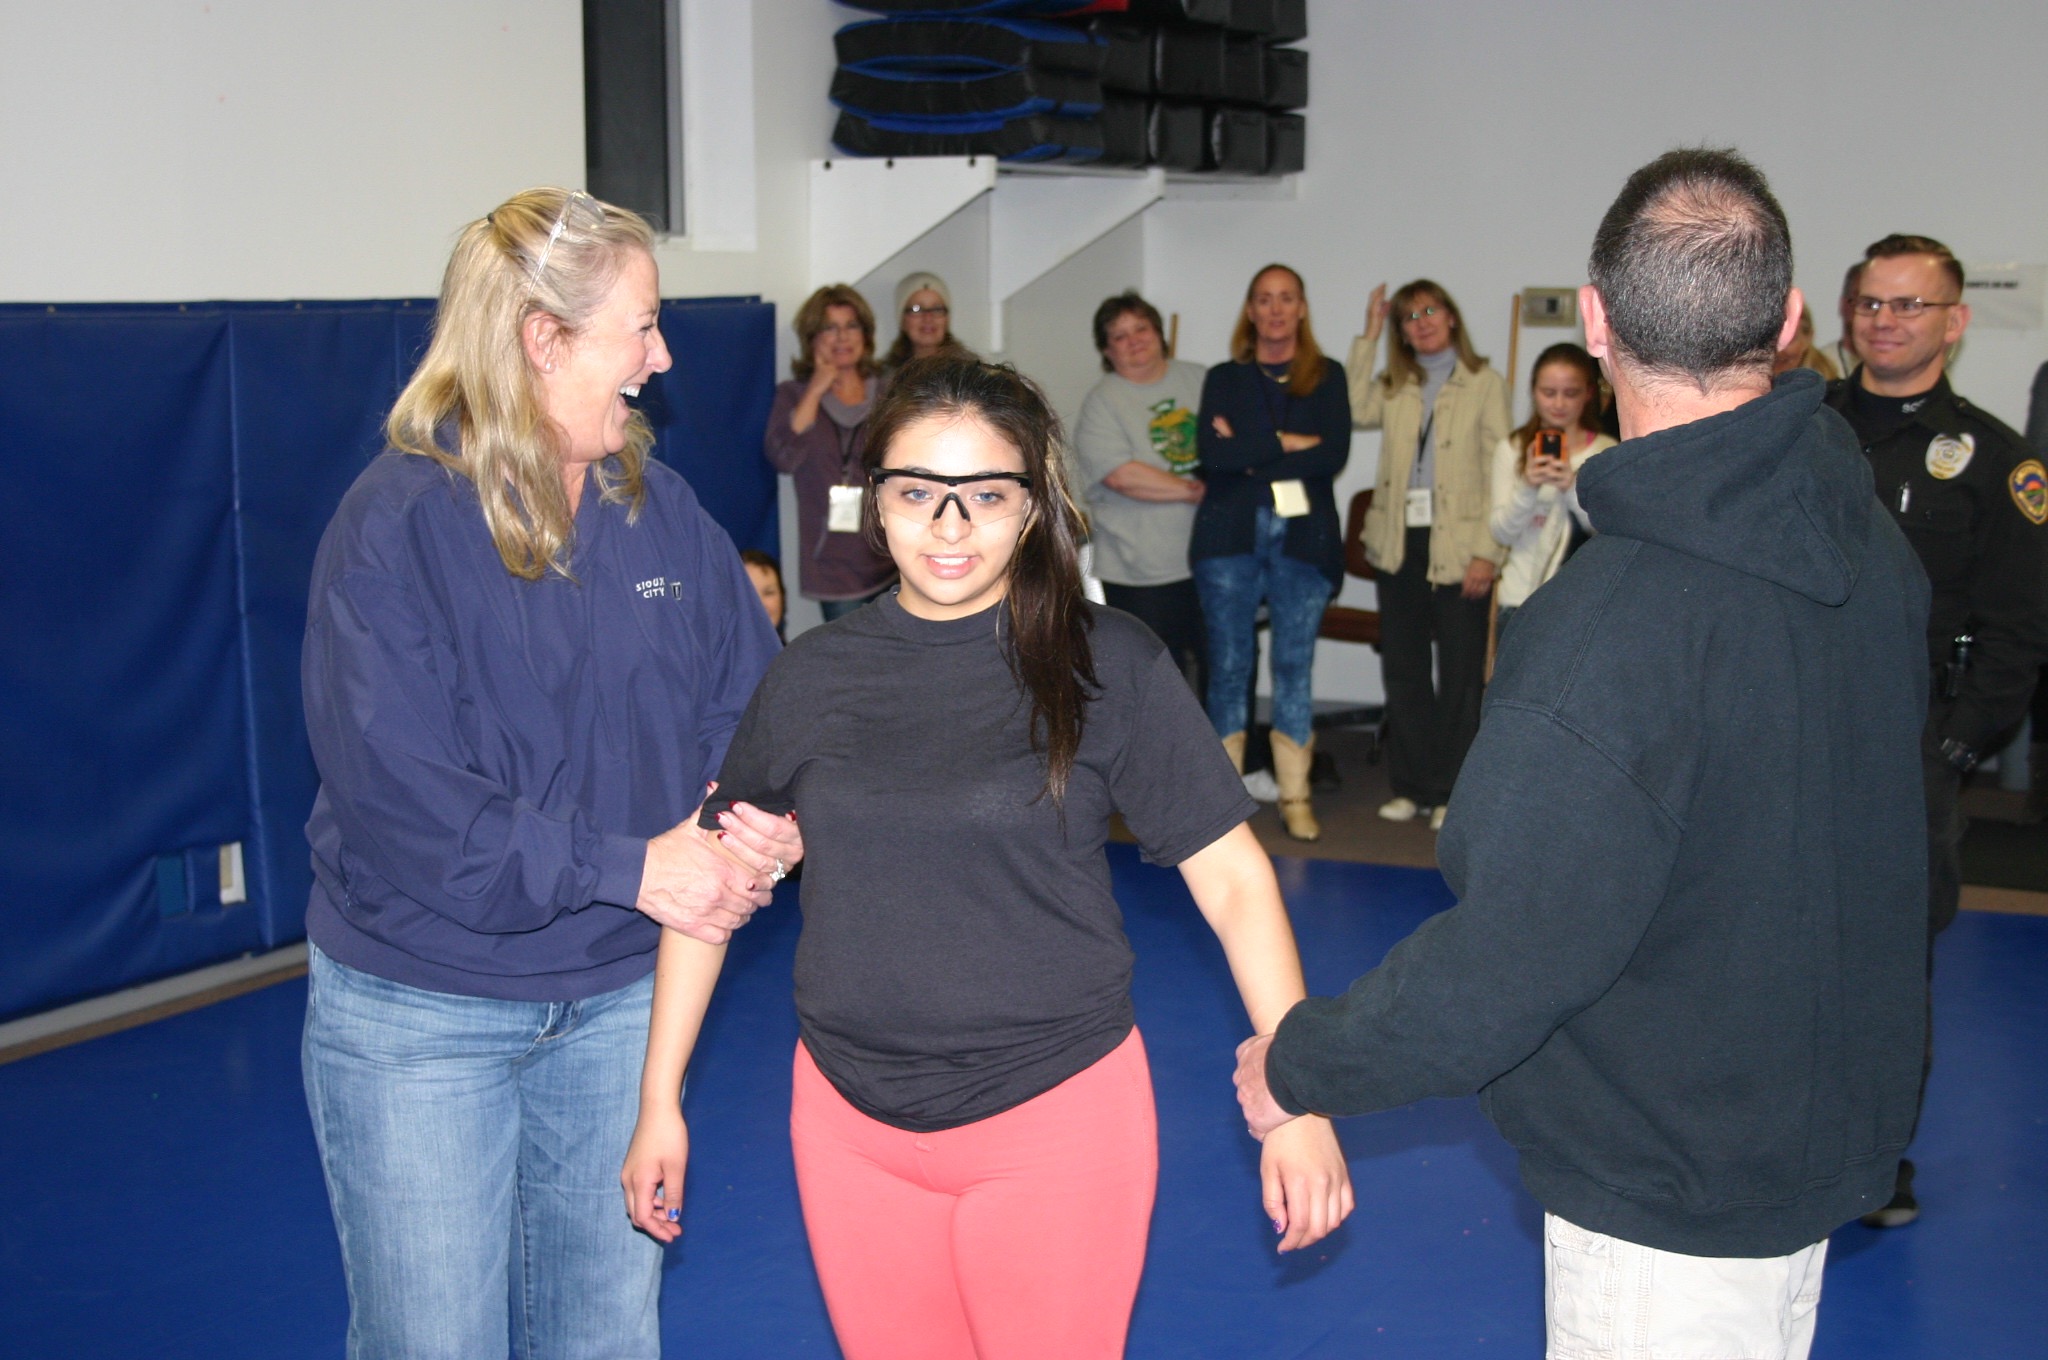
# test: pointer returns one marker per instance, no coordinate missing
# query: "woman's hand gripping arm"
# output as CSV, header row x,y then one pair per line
x,y
1302,1169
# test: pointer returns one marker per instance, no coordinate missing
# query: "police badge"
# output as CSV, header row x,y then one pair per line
x,y
1949,454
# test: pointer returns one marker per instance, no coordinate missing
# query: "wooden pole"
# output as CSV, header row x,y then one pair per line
x,y
1514,374
1514,379
1173,335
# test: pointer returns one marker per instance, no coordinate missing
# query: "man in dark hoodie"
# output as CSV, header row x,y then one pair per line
x,y
1686,971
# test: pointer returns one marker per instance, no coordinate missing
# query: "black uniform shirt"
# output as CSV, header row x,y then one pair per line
x,y
1973,502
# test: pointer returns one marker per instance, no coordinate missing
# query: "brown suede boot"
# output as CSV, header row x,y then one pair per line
x,y
1233,746
1290,771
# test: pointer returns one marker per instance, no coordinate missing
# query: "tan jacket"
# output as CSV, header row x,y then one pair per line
x,y
1471,420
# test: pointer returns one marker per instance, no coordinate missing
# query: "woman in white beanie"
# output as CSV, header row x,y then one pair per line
x,y
924,320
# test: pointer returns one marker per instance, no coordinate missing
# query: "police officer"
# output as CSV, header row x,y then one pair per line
x,y
1973,501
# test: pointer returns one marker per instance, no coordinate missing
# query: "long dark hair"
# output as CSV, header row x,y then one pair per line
x,y
1047,644
1571,356
899,353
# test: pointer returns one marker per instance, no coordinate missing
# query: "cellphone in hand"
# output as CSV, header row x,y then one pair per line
x,y
1550,443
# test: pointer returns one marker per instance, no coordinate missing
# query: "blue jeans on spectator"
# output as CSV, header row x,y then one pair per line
x,y
472,1149
1295,594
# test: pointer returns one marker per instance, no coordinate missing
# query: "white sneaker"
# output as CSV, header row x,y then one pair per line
x,y
1259,784
1436,820
1399,810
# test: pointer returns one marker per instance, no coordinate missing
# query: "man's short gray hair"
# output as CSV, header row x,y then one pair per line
x,y
1693,263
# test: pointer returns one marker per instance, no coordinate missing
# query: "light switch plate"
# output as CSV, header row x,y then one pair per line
x,y
1550,306
234,887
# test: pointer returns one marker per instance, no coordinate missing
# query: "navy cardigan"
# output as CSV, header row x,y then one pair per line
x,y
1240,470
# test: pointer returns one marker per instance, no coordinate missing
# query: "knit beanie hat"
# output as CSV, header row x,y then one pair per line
x,y
913,283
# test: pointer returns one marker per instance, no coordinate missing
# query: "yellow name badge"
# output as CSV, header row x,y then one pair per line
x,y
842,512
1290,499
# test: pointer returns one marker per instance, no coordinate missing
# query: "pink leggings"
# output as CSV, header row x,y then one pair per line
x,y
1017,1237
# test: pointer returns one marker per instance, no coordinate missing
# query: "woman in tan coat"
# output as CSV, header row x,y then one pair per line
x,y
1441,411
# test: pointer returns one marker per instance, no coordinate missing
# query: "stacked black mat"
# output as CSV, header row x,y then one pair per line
x,y
1192,85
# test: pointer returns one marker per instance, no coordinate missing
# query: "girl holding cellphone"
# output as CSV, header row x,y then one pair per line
x,y
1536,469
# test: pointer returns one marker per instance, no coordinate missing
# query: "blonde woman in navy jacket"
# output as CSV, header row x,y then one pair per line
x,y
1274,432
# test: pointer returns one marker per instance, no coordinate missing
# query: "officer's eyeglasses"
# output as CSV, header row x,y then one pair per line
x,y
1426,311
1901,306
983,497
936,309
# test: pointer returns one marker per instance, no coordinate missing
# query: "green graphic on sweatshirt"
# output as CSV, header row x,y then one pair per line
x,y
1172,428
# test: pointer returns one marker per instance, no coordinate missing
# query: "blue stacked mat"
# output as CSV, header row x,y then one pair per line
x,y
1188,84
1012,88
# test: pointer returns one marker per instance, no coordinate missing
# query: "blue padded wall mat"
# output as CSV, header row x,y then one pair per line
x,y
710,411
121,677
313,387
172,467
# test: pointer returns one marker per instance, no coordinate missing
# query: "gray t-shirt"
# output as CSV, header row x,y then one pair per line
x,y
1139,543
962,951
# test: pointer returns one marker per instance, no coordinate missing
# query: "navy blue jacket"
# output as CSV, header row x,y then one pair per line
x,y
1686,970
494,753
1240,471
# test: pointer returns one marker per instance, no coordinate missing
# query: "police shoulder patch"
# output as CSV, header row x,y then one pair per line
x,y
2029,486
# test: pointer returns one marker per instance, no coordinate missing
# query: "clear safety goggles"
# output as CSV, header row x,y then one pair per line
x,y
982,497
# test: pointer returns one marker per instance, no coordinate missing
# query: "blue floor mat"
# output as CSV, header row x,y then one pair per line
x,y
159,1194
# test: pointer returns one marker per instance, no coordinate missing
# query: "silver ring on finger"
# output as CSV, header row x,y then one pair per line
x,y
779,872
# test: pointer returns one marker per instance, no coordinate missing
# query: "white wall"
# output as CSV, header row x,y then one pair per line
x,y
159,151
1479,143
1047,324
271,148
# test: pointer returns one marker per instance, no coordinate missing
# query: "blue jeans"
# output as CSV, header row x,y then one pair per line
x,y
472,1149
1295,594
